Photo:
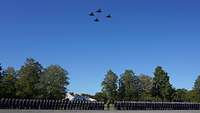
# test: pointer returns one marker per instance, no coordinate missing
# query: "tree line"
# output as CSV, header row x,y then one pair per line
x,y
132,87
32,80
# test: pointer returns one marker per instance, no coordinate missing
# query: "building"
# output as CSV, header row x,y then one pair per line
x,y
77,97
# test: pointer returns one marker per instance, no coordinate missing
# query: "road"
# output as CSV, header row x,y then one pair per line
x,y
65,111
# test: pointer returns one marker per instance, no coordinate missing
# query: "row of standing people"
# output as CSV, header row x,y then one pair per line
x,y
49,104
127,105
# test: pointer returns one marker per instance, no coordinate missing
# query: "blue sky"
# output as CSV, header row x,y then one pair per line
x,y
141,35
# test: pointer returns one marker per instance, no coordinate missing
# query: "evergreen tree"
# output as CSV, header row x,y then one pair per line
x,y
8,83
28,77
162,89
196,88
109,85
130,86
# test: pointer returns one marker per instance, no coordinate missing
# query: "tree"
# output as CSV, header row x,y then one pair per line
x,y
196,88
129,86
101,96
28,77
192,96
109,85
181,95
147,83
1,85
162,89
8,83
1,69
53,83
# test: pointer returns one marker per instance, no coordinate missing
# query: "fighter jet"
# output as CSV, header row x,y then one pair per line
x,y
96,20
99,11
109,16
91,14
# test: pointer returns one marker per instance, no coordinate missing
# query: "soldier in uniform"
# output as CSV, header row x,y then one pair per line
x,y
81,105
99,105
22,103
87,105
41,104
84,105
19,103
1,103
62,104
76,105
50,104
69,105
59,104
16,104
9,103
38,103
45,103
33,104
30,104
154,105
73,105
12,103
66,105
5,104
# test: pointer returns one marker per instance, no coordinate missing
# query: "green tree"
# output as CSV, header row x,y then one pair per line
x,y
101,96
147,83
8,83
53,83
130,87
162,89
28,77
1,85
192,96
109,85
1,69
181,95
196,89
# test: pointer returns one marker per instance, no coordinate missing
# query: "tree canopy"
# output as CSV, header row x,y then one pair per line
x,y
130,86
53,82
33,81
162,88
109,85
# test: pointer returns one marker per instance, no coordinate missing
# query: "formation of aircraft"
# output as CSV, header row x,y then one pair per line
x,y
98,13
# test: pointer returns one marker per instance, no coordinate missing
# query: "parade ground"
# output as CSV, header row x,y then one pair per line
x,y
95,111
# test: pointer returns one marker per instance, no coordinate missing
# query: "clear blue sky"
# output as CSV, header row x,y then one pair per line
x,y
141,35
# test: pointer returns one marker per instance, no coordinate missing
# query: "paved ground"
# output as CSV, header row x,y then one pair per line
x,y
60,111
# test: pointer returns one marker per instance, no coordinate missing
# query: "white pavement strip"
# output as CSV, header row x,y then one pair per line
x,y
93,111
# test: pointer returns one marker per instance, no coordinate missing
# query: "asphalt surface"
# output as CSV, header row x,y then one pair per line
x,y
66,111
